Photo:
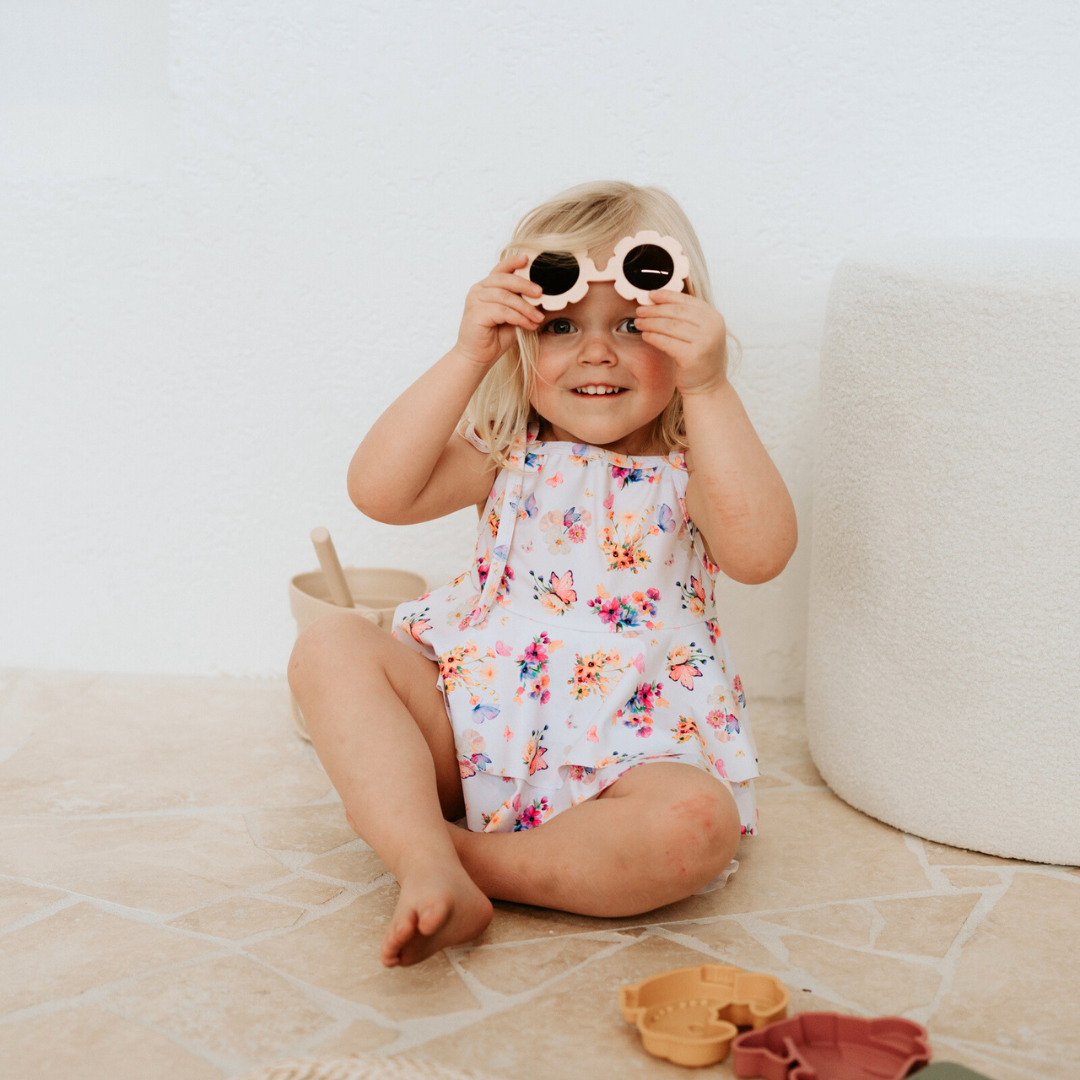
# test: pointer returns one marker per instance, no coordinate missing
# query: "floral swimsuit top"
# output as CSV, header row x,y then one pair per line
x,y
583,640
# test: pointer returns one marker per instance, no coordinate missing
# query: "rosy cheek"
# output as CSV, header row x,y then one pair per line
x,y
659,374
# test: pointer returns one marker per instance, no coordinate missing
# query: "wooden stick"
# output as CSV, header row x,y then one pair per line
x,y
331,568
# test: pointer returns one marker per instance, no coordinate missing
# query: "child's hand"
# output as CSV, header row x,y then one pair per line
x,y
493,308
692,333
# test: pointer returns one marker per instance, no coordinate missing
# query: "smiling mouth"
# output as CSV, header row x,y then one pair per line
x,y
599,391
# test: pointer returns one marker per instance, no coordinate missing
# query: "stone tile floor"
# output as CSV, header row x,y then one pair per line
x,y
180,897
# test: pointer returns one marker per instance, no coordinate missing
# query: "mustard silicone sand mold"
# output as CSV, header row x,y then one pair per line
x,y
691,1015
829,1046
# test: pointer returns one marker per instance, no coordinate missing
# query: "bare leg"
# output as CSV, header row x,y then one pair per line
x,y
379,725
657,835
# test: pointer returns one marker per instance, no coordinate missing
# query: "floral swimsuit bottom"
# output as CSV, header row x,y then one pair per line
x,y
583,641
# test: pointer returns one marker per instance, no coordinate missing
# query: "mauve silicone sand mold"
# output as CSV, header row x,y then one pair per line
x,y
829,1046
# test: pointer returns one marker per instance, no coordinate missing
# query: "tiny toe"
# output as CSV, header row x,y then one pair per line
x,y
433,917
403,930
396,936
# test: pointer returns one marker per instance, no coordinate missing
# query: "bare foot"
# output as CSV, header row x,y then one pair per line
x,y
438,906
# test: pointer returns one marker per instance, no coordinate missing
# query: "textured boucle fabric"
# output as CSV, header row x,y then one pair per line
x,y
943,666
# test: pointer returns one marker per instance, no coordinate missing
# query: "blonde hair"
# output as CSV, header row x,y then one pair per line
x,y
589,217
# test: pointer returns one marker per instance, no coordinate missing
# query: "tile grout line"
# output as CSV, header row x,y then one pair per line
x,y
228,1065
65,901
816,987
991,894
496,1002
415,1031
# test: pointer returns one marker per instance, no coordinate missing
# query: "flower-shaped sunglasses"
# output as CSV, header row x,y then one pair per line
x,y
639,264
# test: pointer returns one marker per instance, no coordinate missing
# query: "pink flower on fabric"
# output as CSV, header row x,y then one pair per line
x,y
610,611
533,815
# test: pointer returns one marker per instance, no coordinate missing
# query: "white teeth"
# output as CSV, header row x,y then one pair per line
x,y
598,389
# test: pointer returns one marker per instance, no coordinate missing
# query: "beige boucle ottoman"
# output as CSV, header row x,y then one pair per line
x,y
943,665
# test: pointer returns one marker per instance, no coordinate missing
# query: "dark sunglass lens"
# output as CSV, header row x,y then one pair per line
x,y
648,267
555,272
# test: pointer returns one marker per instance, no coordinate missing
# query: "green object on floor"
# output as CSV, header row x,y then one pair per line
x,y
947,1070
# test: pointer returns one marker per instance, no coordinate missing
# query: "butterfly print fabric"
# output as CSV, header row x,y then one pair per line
x,y
583,640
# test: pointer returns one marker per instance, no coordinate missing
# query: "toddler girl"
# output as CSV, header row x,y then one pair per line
x,y
570,695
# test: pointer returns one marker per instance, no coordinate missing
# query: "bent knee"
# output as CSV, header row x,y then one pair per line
x,y
328,642
696,835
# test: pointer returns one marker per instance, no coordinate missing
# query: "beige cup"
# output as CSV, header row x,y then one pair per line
x,y
376,592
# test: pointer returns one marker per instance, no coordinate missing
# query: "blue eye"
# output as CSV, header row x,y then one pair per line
x,y
559,326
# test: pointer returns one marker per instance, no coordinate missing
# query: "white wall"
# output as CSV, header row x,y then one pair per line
x,y
232,232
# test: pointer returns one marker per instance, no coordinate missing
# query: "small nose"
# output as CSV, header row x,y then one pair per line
x,y
598,348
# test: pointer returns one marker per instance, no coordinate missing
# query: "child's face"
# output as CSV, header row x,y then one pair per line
x,y
593,344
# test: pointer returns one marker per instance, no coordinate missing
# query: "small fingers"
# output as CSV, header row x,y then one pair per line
x,y
684,306
506,304
503,274
513,282
693,306
671,309
670,296
510,264
676,348
531,321
661,341
676,329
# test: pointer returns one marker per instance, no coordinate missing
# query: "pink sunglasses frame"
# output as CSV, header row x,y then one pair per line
x,y
613,272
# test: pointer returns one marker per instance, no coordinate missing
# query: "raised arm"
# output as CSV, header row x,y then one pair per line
x,y
411,466
735,494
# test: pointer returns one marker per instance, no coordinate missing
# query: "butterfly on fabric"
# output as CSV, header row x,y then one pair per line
x,y
563,587
666,519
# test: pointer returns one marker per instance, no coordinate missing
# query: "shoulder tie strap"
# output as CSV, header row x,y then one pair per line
x,y
507,519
